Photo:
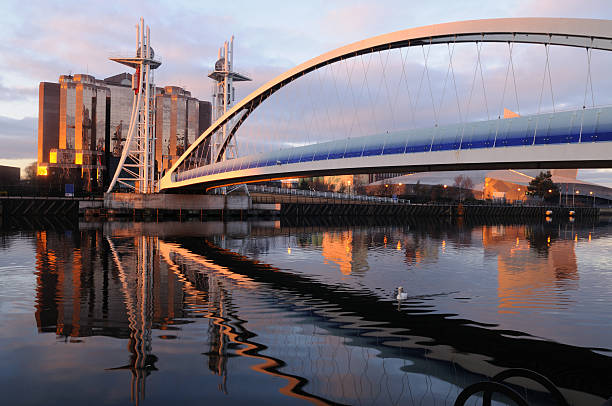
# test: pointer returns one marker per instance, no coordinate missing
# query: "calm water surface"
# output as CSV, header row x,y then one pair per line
x,y
267,313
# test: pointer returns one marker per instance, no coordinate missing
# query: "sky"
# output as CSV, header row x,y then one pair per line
x,y
42,40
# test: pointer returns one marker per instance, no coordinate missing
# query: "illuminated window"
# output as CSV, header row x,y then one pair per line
x,y
41,171
53,157
78,158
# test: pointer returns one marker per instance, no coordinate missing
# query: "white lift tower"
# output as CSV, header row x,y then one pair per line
x,y
223,97
136,169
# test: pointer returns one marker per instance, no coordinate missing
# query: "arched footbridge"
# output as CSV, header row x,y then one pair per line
x,y
381,107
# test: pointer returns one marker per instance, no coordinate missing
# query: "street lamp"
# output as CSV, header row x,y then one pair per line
x,y
591,193
573,199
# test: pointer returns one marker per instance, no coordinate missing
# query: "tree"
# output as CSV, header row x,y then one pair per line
x,y
464,183
303,185
543,187
30,171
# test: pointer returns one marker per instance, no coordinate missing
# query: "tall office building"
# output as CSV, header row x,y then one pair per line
x,y
84,122
48,122
180,119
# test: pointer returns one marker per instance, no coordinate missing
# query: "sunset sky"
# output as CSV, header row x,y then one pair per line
x,y
42,40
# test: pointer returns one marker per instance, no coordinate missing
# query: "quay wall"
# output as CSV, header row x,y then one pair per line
x,y
172,206
304,209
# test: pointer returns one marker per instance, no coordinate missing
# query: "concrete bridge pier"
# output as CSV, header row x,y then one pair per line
x,y
176,205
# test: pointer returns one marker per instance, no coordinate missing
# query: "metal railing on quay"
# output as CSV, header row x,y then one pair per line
x,y
325,195
42,191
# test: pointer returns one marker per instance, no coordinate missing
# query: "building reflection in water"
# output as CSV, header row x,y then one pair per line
x,y
102,287
128,285
348,250
535,268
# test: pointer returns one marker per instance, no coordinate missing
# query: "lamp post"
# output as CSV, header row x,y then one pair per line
x,y
591,193
573,200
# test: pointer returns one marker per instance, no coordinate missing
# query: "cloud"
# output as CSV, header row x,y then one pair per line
x,y
17,93
18,137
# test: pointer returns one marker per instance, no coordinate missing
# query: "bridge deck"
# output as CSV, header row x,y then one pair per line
x,y
577,127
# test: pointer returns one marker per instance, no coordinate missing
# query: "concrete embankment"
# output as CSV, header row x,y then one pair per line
x,y
424,210
38,206
157,206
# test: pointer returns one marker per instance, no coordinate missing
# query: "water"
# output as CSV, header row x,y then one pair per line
x,y
267,313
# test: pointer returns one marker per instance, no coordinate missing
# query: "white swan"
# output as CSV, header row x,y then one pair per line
x,y
401,295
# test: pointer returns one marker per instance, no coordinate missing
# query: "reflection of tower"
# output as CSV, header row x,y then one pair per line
x,y
137,164
218,340
224,97
139,302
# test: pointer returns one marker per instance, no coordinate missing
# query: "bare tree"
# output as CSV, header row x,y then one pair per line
x,y
30,171
462,183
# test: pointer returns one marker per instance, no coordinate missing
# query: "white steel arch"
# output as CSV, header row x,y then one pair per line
x,y
571,32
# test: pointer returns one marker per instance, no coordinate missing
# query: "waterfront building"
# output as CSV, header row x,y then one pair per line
x,y
180,119
84,122
9,175
501,185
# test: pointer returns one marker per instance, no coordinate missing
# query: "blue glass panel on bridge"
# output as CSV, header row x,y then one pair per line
x,y
446,138
604,125
296,155
225,166
573,134
354,147
263,160
604,131
395,143
252,163
243,162
321,151
293,156
419,140
504,131
373,145
337,149
481,135
275,158
559,127
307,153
589,125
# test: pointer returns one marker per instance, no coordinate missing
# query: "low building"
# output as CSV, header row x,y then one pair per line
x,y
9,175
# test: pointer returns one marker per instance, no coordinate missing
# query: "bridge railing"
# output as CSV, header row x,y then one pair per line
x,y
327,195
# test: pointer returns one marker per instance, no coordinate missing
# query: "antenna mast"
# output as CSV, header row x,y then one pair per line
x,y
224,97
136,169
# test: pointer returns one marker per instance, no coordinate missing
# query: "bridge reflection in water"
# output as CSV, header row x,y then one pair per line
x,y
325,342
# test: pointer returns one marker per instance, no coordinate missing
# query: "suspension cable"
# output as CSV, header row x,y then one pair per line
x,y
445,80
501,107
484,92
426,57
404,59
589,78
518,108
454,81
552,96
467,111
543,79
